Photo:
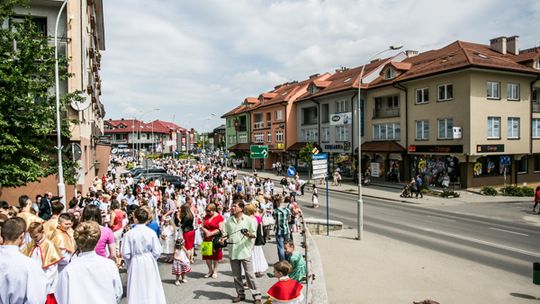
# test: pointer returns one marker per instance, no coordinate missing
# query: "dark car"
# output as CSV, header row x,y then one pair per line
x,y
138,171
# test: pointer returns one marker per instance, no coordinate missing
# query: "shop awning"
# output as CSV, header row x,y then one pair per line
x,y
297,146
240,147
382,146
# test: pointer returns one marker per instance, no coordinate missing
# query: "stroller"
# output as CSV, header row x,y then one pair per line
x,y
407,191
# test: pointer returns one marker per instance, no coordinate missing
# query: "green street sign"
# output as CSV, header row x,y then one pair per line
x,y
258,151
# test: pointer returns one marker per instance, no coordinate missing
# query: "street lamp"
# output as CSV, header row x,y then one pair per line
x,y
139,129
61,185
360,205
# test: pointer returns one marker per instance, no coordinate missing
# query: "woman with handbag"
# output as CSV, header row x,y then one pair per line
x,y
212,226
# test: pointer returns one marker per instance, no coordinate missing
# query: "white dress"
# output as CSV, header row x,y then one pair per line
x,y
22,280
260,264
168,232
140,250
89,278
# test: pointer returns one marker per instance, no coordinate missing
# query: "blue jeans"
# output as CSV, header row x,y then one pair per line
x,y
280,241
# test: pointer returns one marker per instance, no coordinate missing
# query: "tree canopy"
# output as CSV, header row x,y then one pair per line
x,y
27,104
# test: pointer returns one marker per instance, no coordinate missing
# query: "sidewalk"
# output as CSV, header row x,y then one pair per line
x,y
387,271
516,209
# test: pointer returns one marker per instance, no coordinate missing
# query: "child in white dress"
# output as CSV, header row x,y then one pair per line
x,y
315,197
168,232
181,264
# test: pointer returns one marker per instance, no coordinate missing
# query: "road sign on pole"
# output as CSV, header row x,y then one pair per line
x,y
320,165
291,171
258,151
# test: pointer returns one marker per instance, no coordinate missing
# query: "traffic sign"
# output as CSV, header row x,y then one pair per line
x,y
291,171
505,160
258,151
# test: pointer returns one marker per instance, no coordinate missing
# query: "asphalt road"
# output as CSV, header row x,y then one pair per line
x,y
505,245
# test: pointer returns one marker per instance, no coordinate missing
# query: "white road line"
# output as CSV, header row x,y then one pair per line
x,y
534,254
493,228
442,218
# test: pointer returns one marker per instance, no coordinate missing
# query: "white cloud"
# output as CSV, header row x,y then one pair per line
x,y
194,57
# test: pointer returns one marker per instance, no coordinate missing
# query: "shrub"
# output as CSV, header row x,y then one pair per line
x,y
517,191
488,191
449,193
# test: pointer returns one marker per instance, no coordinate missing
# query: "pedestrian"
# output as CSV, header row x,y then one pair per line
x,y
106,246
168,233
212,226
315,197
285,290
90,278
22,279
181,264
46,254
187,225
282,216
240,232
419,185
63,238
140,250
302,184
45,211
536,199
297,261
259,260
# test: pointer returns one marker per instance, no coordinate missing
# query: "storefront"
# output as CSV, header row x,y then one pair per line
x,y
384,160
434,162
339,158
240,156
491,167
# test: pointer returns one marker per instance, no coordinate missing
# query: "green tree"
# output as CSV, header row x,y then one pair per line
x,y
27,106
306,155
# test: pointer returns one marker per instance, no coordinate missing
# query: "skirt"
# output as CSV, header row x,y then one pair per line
x,y
189,238
179,267
259,260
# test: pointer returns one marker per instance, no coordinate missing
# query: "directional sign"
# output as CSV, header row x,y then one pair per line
x,y
505,160
291,171
320,165
258,151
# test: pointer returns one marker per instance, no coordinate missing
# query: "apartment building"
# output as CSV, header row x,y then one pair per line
x,y
238,129
81,37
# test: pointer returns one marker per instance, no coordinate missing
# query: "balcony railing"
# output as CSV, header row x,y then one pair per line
x,y
386,112
258,125
536,106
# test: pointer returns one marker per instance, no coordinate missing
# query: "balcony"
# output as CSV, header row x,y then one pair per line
x,y
258,125
536,106
386,112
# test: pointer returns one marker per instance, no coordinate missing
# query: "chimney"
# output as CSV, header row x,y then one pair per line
x,y
313,76
512,45
498,44
411,53
375,60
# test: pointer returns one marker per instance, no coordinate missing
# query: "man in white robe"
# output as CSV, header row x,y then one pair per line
x,y
89,278
140,250
22,280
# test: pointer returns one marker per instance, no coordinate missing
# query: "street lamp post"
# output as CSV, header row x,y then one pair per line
x,y
61,185
139,130
360,204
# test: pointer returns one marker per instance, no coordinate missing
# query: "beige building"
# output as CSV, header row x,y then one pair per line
x,y
81,38
467,110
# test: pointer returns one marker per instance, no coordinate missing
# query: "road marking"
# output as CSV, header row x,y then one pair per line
x,y
530,253
493,228
442,218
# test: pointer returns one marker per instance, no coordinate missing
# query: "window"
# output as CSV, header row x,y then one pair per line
x,y
386,106
310,135
389,73
512,91
269,137
243,138
446,92
422,130
39,22
325,117
342,106
536,128
522,165
513,127
494,127
536,162
445,128
490,166
259,137
258,121
493,90
279,115
387,131
309,116
537,64
342,133
325,133
279,136
422,95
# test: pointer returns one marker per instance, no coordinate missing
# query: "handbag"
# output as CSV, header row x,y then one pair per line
x,y
206,248
260,240
268,220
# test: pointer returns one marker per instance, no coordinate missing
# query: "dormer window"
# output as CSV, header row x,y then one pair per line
x,y
537,64
312,89
389,73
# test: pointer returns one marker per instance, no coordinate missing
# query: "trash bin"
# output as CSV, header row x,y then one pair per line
x,y
536,273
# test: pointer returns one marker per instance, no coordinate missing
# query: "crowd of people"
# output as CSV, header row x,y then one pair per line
x,y
73,254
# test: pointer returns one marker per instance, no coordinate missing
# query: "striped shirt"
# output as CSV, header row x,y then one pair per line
x,y
282,216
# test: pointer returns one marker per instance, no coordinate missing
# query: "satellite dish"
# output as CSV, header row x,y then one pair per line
x,y
80,105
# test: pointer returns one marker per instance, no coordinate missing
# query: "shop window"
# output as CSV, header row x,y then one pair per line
x,y
522,165
490,166
536,162
433,169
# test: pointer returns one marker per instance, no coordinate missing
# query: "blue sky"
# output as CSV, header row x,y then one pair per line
x,y
193,58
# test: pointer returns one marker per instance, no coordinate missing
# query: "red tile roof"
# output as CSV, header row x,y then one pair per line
x,y
132,125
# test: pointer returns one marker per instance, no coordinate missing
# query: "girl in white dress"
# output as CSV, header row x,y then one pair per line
x,y
168,232
181,264
315,197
